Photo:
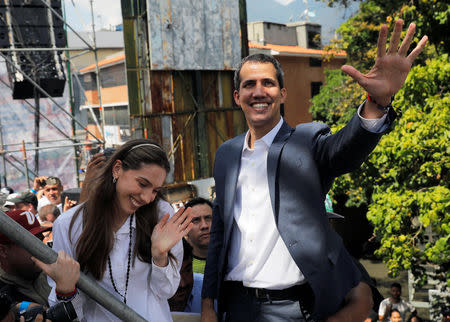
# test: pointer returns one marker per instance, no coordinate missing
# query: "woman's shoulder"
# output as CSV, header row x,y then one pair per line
x,y
164,208
65,218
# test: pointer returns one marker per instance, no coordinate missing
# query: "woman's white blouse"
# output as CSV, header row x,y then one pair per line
x,y
148,288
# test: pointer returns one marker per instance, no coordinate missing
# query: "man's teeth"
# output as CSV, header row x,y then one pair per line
x,y
260,105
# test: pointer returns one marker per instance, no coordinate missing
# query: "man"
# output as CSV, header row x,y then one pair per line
x,y
25,201
52,191
198,237
395,302
272,255
20,278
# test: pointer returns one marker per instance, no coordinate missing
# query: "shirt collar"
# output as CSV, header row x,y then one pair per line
x,y
125,229
266,139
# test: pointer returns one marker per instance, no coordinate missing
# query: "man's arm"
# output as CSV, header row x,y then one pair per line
x,y
358,304
210,279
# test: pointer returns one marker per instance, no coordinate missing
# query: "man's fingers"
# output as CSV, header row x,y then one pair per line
x,y
403,50
381,45
420,46
355,74
395,38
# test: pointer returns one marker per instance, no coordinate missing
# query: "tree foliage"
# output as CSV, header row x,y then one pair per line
x,y
405,182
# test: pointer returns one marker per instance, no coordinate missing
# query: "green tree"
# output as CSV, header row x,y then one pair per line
x,y
405,182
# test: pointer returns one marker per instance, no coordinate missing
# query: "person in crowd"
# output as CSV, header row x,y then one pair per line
x,y
20,278
415,318
272,253
49,190
136,252
395,302
181,301
395,316
49,213
25,200
198,237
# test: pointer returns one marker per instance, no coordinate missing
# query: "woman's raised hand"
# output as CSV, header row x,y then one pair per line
x,y
168,232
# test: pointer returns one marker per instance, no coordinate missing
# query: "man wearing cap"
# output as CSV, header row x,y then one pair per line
x,y
25,201
52,191
19,276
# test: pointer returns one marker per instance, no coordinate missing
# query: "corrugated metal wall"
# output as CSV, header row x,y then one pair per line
x,y
189,112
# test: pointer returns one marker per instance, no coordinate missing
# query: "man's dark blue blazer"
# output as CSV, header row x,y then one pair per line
x,y
301,165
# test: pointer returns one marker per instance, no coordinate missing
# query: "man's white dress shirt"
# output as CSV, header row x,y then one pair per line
x,y
258,256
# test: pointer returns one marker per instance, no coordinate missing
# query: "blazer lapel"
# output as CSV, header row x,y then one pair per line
x,y
273,157
233,165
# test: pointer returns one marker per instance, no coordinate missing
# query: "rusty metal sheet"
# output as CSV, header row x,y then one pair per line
x,y
194,34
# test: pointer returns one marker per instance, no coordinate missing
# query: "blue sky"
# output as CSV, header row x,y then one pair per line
x,y
108,13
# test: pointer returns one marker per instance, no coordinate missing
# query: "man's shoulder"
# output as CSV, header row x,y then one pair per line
x,y
230,145
311,127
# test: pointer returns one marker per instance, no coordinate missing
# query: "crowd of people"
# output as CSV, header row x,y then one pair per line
x,y
263,251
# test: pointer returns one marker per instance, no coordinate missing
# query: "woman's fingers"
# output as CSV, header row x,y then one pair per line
x,y
44,267
187,220
163,220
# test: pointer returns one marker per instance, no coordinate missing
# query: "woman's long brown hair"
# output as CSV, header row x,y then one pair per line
x,y
97,236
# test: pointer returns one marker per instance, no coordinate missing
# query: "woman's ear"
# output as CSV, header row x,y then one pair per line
x,y
117,168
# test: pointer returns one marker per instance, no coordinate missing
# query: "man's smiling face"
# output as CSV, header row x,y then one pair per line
x,y
260,96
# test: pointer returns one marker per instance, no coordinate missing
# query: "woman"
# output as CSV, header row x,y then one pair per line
x,y
123,236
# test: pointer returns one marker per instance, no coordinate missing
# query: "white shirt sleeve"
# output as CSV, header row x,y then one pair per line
x,y
61,242
371,125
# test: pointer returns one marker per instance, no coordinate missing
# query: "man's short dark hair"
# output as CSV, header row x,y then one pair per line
x,y
260,58
397,285
198,201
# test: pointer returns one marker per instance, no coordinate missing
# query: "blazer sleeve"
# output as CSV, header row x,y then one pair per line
x,y
348,148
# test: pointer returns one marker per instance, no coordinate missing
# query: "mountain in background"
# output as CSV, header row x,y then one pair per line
x,y
273,11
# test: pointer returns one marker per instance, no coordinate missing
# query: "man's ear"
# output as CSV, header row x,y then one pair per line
x,y
236,98
283,92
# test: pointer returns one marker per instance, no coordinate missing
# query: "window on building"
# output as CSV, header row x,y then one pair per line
x,y
313,39
315,88
117,115
315,62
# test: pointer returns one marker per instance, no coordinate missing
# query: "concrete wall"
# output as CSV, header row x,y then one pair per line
x,y
271,33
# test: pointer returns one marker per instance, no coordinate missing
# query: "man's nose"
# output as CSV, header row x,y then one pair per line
x,y
259,90
203,224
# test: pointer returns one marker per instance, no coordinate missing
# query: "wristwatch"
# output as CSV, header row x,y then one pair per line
x,y
386,108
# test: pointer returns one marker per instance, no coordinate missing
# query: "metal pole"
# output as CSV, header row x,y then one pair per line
x,y
88,285
25,164
49,147
3,156
37,120
99,94
17,68
9,50
72,104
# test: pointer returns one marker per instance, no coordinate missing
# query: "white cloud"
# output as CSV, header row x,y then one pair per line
x,y
106,13
285,2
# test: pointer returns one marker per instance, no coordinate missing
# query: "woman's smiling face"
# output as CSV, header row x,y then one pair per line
x,y
136,188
